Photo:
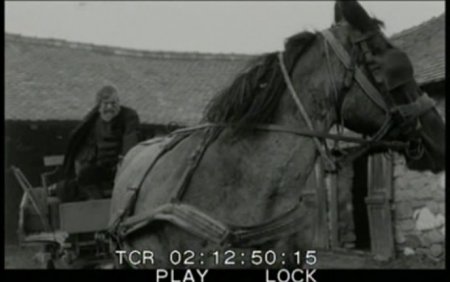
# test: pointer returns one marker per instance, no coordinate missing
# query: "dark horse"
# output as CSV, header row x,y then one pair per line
x,y
232,192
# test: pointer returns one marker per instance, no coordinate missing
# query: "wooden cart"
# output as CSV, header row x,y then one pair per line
x,y
70,235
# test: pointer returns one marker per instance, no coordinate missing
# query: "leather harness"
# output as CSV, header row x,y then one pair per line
x,y
204,226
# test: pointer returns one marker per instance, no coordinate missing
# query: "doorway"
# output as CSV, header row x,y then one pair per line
x,y
364,205
359,192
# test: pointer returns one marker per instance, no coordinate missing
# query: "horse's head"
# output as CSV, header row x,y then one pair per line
x,y
397,109
373,86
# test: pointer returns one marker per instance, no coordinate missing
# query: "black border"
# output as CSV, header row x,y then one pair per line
x,y
222,275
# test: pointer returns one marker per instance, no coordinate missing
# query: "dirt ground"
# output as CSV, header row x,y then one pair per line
x,y
23,258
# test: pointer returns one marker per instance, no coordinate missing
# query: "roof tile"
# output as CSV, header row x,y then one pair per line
x,y
48,79
425,46
56,80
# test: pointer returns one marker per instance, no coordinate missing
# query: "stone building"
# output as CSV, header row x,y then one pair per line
x,y
419,198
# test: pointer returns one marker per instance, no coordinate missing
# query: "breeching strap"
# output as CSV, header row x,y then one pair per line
x,y
198,223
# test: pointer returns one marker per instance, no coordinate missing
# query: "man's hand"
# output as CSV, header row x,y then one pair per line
x,y
52,189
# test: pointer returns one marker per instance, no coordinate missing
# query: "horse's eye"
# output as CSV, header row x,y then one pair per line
x,y
376,51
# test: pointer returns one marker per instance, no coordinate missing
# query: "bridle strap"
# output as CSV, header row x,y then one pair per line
x,y
328,162
299,132
362,80
333,82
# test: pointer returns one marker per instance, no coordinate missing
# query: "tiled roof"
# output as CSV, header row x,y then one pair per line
x,y
425,45
49,79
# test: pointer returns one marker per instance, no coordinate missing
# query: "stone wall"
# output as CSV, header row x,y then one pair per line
x,y
419,202
419,211
418,207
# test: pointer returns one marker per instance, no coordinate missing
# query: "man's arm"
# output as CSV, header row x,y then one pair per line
x,y
131,132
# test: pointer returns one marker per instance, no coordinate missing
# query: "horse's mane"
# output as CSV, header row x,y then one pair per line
x,y
254,95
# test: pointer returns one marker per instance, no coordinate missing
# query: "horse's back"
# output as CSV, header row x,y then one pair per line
x,y
151,170
132,169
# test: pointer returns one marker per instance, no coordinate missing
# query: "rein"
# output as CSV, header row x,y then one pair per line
x,y
300,132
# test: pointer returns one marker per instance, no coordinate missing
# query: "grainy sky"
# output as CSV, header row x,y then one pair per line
x,y
217,27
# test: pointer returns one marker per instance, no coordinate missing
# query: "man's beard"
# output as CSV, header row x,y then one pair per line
x,y
108,115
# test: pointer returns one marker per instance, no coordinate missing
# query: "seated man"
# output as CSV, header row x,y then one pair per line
x,y
95,148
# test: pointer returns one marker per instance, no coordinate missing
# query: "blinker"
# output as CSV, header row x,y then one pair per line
x,y
397,69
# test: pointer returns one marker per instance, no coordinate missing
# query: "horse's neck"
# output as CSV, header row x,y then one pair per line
x,y
268,170
304,148
311,88
293,157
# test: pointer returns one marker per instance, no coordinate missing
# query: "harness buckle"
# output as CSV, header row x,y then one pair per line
x,y
332,166
415,149
397,116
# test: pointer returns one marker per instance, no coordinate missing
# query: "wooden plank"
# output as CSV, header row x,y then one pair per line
x,y
34,217
46,237
321,224
81,217
54,160
331,180
380,185
380,175
36,197
382,240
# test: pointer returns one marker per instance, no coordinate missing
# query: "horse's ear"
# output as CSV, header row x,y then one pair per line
x,y
338,17
352,12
